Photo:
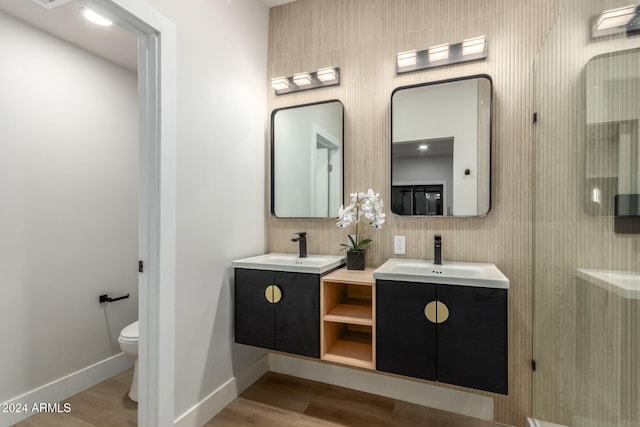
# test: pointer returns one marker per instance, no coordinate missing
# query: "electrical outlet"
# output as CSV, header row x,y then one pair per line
x,y
399,244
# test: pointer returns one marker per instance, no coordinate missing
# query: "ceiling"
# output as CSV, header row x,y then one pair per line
x,y
435,147
66,22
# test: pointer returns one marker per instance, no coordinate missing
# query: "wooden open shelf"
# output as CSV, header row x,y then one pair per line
x,y
352,310
347,301
349,344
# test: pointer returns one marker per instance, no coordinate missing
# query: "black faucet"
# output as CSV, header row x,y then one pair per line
x,y
302,238
437,250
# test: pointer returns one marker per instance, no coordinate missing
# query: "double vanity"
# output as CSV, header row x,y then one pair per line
x,y
445,323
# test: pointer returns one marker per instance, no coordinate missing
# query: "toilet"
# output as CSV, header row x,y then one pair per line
x,y
128,340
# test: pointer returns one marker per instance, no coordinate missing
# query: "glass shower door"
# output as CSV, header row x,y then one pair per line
x,y
586,241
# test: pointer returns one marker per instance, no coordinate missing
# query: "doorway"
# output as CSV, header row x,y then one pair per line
x,y
156,204
157,97
326,182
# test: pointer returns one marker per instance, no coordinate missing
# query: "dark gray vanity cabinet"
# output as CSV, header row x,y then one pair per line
x,y
278,310
405,340
254,314
464,343
472,342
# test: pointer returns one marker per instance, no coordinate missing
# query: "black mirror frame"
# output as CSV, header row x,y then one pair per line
x,y
272,157
436,82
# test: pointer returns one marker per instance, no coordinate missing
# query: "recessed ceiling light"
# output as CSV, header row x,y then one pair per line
x,y
96,18
423,147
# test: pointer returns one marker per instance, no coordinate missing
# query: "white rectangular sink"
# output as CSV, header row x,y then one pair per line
x,y
291,262
449,273
623,283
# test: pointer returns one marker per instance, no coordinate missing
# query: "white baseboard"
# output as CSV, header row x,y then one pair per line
x,y
459,402
65,387
532,422
208,407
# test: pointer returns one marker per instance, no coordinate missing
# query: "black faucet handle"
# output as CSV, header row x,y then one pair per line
x,y
437,238
302,234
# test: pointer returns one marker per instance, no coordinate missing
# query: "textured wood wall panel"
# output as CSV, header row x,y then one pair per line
x,y
362,37
570,384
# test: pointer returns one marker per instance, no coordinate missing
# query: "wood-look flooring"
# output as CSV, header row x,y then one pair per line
x,y
275,400
104,405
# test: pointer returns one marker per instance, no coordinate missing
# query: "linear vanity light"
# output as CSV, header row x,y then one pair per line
x,y
472,49
615,17
406,59
328,76
473,46
613,21
302,79
439,52
280,83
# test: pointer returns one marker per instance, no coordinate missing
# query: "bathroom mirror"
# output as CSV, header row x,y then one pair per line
x,y
612,144
441,148
307,160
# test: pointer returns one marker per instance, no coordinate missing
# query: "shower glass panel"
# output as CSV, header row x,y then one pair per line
x,y
586,267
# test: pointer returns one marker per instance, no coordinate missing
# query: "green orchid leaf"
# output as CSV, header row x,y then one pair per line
x,y
362,244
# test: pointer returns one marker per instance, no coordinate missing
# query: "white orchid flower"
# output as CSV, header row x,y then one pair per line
x,y
346,216
368,204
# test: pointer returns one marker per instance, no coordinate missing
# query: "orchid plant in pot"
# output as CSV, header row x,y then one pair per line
x,y
370,205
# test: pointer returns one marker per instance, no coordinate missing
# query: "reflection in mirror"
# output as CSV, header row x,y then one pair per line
x,y
612,142
440,148
307,160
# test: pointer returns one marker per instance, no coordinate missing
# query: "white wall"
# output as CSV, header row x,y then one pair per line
x,y
68,206
221,144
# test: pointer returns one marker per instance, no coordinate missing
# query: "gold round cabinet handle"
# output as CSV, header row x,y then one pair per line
x,y
430,312
436,312
277,294
273,294
443,312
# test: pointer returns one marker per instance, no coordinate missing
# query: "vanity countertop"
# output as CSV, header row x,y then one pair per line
x,y
623,283
483,275
317,264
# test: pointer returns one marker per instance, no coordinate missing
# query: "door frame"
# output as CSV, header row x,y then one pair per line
x,y
156,202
